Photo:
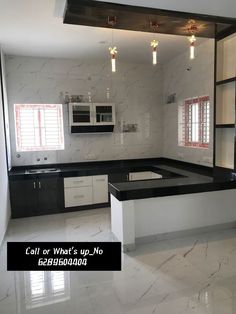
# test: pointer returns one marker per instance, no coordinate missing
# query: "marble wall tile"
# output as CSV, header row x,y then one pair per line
x,y
139,92
188,79
136,90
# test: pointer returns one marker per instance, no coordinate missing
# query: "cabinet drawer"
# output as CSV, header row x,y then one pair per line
x,y
78,196
156,175
103,179
77,181
100,189
142,175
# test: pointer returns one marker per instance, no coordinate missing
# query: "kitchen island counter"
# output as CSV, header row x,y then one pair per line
x,y
185,182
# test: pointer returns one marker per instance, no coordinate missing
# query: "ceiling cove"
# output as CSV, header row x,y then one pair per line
x,y
135,18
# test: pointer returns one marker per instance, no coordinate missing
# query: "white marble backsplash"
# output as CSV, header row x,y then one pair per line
x,y
136,90
139,92
188,79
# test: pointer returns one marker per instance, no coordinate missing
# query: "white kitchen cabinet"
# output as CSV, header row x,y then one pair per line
x,y
100,189
78,181
86,190
104,114
143,175
155,175
78,196
91,114
80,114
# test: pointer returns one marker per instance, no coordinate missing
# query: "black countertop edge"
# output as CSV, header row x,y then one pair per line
x,y
185,178
105,167
119,162
170,190
200,169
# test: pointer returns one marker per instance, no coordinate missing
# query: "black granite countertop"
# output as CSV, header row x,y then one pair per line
x,y
178,177
103,167
188,182
85,168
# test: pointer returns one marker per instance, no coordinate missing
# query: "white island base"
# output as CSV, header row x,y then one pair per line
x,y
159,218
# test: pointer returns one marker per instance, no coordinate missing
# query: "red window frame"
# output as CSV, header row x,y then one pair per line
x,y
203,126
38,108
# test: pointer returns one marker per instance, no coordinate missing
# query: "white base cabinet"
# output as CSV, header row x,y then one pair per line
x,y
143,175
87,190
78,196
100,189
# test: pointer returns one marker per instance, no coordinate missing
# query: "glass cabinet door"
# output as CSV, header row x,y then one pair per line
x,y
104,114
81,114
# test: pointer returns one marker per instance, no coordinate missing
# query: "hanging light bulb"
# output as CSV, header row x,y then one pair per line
x,y
192,28
113,50
192,40
154,45
113,53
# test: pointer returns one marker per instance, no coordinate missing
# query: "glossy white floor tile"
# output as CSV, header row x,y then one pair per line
x,y
194,275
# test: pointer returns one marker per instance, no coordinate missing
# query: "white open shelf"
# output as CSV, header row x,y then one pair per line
x,y
225,103
224,151
226,58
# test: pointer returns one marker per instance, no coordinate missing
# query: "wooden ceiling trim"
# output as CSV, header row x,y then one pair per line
x,y
135,18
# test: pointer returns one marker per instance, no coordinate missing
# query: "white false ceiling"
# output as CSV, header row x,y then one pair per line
x,y
35,28
225,8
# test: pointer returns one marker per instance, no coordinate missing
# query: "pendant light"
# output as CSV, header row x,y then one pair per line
x,y
192,29
113,53
154,43
192,40
113,49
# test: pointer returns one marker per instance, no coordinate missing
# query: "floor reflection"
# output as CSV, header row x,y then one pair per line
x,y
192,275
42,288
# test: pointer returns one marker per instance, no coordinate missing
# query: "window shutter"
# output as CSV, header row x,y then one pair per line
x,y
37,288
58,281
194,122
39,127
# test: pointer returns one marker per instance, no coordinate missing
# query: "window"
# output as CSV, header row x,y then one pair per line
x,y
194,122
46,287
39,127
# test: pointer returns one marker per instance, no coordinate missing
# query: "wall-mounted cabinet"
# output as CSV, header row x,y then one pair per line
x,y
225,88
80,114
91,117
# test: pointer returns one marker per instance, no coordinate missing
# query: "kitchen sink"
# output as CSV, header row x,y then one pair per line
x,y
44,170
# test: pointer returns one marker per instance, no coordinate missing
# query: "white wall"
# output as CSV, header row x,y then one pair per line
x,y
4,191
162,215
186,84
6,115
213,7
151,219
136,91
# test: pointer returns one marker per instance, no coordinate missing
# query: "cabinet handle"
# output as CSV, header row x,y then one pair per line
x,y
100,180
78,196
34,185
81,181
39,185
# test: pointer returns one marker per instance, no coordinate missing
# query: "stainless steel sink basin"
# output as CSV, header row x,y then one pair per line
x,y
45,170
